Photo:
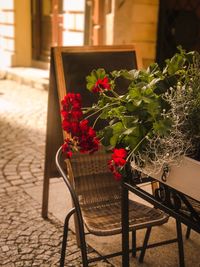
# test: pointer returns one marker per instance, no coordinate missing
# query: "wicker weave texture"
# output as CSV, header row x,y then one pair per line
x,y
100,197
105,218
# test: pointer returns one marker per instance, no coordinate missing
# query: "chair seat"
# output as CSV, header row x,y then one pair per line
x,y
104,218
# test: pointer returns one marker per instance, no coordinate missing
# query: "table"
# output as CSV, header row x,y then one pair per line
x,y
166,198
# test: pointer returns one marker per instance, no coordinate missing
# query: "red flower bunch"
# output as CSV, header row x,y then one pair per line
x,y
101,85
88,141
69,146
71,113
117,162
82,137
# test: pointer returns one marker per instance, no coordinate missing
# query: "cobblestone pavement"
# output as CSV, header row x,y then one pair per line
x,y
25,238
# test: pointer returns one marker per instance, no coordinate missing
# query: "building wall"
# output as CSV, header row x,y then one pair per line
x,y
7,32
136,22
15,29
15,33
126,22
23,55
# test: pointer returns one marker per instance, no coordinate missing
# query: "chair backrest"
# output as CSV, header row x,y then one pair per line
x,y
91,178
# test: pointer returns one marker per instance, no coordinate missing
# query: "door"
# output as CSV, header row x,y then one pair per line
x,y
179,24
46,27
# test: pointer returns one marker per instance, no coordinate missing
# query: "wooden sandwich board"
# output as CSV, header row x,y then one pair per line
x,y
69,67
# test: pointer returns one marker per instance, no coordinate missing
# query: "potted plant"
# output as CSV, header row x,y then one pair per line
x,y
154,124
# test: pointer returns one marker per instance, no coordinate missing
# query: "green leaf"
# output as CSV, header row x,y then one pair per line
x,y
113,140
129,121
175,63
154,69
133,136
154,108
93,77
162,127
118,128
137,103
123,73
105,113
130,106
154,82
100,73
117,112
130,131
107,133
131,141
134,92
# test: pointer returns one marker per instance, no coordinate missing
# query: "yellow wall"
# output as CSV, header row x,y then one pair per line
x,y
22,33
136,22
15,33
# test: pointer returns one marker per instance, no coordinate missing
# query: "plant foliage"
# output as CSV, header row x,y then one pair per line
x,y
157,119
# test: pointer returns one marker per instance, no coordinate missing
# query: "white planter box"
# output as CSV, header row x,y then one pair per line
x,y
185,177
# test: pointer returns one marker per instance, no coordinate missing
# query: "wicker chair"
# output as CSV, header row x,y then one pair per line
x,y
97,203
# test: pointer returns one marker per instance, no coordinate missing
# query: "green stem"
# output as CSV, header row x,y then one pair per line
x,y
96,121
88,108
99,110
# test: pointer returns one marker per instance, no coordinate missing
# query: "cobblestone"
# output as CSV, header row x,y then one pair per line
x,y
25,238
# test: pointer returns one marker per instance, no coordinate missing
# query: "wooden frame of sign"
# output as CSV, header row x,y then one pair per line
x,y
68,68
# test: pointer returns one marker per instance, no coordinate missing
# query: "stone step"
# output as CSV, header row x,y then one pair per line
x,y
36,78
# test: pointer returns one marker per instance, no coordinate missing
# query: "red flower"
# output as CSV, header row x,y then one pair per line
x,y
88,140
84,125
67,148
91,132
76,104
101,84
76,114
74,128
71,113
66,125
72,97
64,114
117,162
83,137
71,102
88,144
119,153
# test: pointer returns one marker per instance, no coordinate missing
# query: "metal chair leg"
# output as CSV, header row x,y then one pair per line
x,y
83,246
65,234
146,239
134,243
180,243
188,232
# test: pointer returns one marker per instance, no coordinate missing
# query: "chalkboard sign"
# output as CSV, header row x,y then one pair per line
x,y
69,67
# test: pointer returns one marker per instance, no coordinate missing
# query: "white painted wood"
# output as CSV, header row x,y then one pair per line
x,y
185,177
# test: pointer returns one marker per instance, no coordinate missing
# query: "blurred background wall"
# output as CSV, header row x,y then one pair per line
x,y
28,28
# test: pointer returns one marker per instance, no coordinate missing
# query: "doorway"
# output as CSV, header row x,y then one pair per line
x,y
46,27
179,24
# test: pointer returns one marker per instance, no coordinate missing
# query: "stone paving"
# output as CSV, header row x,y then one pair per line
x,y
25,238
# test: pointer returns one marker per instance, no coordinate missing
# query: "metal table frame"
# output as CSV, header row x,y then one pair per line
x,y
166,199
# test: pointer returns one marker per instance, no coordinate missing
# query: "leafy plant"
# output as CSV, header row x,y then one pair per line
x,y
156,120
